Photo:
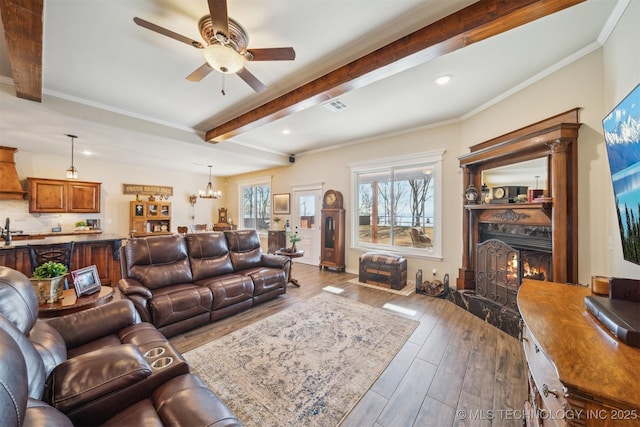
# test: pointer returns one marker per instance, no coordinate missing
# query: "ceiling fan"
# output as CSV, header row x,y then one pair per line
x,y
226,46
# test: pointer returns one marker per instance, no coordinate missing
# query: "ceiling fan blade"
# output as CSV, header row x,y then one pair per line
x,y
199,74
219,16
251,80
160,30
273,54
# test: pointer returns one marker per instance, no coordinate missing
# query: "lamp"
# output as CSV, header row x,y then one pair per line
x,y
193,199
209,193
72,172
224,58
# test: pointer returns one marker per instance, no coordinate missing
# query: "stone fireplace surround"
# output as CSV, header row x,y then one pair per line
x,y
548,228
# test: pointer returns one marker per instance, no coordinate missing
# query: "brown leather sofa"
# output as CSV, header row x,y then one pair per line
x,y
180,282
101,366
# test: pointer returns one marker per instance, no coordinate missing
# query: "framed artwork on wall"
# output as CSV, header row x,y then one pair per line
x,y
281,204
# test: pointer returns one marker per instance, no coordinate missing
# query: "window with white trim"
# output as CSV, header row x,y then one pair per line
x,y
396,204
255,204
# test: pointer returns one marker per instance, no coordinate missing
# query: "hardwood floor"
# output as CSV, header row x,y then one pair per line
x,y
455,370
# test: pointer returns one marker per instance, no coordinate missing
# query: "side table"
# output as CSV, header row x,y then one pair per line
x,y
291,255
70,303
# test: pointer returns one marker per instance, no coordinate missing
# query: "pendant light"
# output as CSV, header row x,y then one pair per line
x,y
209,193
72,172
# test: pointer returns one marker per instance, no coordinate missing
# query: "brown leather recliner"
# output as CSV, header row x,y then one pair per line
x,y
112,367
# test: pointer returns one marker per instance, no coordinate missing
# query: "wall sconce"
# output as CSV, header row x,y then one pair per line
x,y
193,199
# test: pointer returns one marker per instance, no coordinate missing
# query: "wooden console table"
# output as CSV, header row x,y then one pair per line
x,y
579,374
70,303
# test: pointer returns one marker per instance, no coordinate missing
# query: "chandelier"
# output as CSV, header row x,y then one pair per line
x,y
208,193
72,172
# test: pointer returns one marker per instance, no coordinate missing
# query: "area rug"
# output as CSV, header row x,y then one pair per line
x,y
305,366
406,291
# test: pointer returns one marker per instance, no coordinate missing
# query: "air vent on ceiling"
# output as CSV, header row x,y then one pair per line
x,y
335,105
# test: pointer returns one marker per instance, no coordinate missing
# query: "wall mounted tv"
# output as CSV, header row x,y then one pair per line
x,y
622,136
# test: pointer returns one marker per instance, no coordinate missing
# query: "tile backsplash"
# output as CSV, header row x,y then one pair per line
x,y
33,223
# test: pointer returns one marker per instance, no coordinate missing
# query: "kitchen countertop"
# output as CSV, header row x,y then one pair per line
x,y
54,238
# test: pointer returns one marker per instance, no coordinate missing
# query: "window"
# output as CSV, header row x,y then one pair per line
x,y
256,204
396,204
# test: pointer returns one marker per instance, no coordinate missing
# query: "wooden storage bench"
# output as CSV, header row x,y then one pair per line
x,y
383,269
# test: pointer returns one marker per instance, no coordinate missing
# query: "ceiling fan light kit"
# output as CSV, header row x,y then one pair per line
x,y
224,59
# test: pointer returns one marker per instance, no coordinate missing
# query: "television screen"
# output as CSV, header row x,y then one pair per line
x,y
622,136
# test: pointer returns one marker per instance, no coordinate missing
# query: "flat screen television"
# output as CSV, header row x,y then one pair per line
x,y
622,137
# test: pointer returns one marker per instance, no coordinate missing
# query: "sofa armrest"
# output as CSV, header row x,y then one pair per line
x,y
91,376
97,322
139,294
276,261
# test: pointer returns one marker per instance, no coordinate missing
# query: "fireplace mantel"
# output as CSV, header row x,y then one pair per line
x,y
556,140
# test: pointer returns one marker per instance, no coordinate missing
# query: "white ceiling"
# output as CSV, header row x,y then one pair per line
x,y
122,88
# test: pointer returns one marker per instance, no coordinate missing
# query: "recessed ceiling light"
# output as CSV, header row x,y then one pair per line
x,y
444,79
87,152
286,131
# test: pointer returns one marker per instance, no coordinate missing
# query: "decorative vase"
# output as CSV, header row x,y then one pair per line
x,y
48,290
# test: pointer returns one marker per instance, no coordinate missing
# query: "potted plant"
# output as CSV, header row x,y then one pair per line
x,y
47,281
293,239
81,225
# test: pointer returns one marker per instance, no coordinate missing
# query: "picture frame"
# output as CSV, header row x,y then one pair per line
x,y
86,280
139,209
281,204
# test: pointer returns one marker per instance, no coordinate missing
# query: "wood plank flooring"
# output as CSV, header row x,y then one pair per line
x,y
455,370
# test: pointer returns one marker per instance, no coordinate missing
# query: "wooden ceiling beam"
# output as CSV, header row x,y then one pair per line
x,y
23,28
472,24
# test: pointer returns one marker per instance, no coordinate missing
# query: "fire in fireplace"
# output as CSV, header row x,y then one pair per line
x,y
500,269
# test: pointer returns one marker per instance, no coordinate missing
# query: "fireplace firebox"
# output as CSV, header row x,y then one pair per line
x,y
500,269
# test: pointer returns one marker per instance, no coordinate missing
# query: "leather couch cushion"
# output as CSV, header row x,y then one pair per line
x,y
158,261
208,255
104,320
41,414
182,401
244,247
91,376
18,300
175,303
266,279
228,289
35,373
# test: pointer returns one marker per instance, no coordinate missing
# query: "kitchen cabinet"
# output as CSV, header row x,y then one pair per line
x,y
59,196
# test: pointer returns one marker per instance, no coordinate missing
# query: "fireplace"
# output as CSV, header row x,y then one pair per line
x,y
500,269
539,235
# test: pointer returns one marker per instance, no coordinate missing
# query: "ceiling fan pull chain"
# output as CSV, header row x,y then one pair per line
x,y
223,93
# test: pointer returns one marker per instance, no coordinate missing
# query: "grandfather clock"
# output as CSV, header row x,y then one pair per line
x,y
332,243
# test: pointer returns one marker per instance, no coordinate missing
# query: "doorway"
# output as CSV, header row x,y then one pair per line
x,y
306,220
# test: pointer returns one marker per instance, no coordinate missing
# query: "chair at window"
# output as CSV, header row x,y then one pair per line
x,y
183,229
62,253
419,239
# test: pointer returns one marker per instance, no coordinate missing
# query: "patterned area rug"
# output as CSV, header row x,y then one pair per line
x,y
406,291
305,366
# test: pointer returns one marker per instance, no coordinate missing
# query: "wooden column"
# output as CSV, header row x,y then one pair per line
x,y
559,215
466,277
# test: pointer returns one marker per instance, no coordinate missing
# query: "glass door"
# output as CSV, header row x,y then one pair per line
x,y
306,217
